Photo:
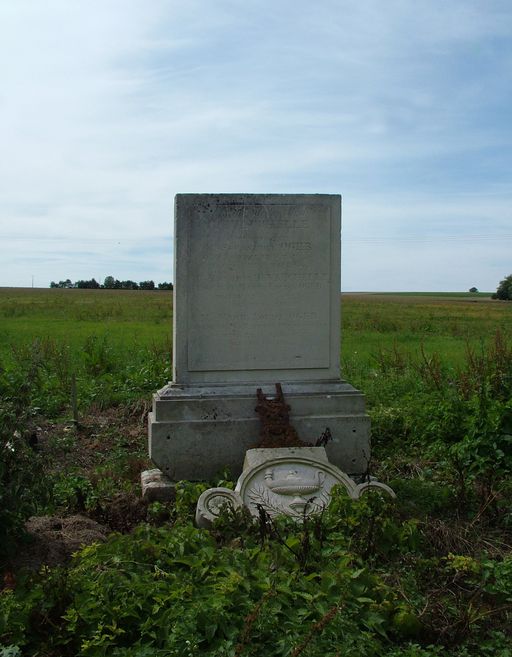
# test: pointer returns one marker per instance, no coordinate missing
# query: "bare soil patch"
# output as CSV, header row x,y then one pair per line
x,y
51,540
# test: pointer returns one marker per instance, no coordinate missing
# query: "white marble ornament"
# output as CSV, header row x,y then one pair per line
x,y
373,484
291,481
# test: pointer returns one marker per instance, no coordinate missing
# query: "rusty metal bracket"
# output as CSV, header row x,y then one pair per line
x,y
276,430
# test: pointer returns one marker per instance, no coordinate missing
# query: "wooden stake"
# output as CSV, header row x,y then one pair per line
x,y
74,403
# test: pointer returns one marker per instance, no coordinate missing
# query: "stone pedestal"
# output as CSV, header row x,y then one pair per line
x,y
196,431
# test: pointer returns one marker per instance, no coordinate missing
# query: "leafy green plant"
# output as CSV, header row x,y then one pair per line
x,y
23,485
98,355
10,651
73,492
425,575
176,590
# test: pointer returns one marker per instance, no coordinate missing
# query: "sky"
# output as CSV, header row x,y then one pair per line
x,y
109,108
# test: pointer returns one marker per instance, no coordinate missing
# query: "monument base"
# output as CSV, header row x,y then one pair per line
x,y
195,431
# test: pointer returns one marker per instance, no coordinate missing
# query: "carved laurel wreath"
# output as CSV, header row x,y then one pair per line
x,y
272,504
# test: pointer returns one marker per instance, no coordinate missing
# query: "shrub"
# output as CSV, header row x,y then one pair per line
x,y
504,290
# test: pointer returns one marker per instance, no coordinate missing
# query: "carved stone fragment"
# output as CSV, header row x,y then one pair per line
x,y
213,502
156,487
296,482
292,482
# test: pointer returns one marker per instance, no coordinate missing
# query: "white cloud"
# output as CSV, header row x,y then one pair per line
x,y
110,108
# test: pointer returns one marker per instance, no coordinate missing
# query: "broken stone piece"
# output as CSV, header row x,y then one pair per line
x,y
295,482
213,502
156,487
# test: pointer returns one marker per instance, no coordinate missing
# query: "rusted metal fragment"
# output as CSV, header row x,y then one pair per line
x,y
276,430
324,438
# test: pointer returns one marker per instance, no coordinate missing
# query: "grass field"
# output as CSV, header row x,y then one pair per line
x,y
128,318
441,323
425,575
117,344
132,320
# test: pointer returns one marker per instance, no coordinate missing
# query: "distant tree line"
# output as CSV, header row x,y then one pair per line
x,y
111,283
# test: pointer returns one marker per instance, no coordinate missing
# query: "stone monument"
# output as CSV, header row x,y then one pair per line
x,y
256,302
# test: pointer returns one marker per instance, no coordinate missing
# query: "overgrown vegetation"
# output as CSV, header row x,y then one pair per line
x,y
23,484
425,575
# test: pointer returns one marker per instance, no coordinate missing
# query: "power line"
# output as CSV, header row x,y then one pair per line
x,y
81,240
428,240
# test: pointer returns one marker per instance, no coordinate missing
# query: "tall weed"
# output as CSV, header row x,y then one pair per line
x,y
23,485
461,417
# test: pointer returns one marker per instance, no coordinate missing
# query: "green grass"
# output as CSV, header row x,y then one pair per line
x,y
460,295
445,324
129,319
117,343
133,320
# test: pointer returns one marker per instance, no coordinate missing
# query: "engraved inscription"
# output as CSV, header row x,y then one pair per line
x,y
259,294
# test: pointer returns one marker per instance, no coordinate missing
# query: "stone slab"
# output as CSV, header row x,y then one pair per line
x,y
213,502
224,402
290,481
257,288
256,457
256,302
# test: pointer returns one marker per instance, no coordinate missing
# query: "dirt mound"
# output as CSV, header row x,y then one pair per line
x,y
52,540
123,513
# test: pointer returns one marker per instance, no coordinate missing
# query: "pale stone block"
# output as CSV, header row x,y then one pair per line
x,y
213,502
156,487
290,481
256,457
195,432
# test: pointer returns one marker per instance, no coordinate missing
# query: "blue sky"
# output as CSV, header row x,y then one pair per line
x,y
109,108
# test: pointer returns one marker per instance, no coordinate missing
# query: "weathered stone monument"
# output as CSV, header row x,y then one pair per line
x,y
256,302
